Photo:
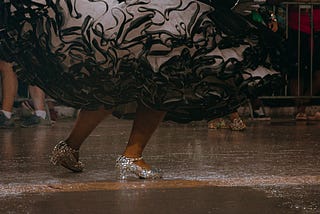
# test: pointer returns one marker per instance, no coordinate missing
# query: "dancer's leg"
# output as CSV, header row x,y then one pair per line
x,y
66,153
144,125
86,122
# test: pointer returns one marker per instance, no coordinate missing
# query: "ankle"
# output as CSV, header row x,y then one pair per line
x,y
75,151
138,160
134,154
41,113
234,116
8,114
72,145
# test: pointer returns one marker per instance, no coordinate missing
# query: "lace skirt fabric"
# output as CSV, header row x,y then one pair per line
x,y
170,55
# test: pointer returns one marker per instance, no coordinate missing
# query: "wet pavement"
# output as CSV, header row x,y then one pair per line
x,y
271,167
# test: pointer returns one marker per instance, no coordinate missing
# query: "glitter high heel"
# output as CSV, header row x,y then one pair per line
x,y
219,123
67,157
237,125
126,166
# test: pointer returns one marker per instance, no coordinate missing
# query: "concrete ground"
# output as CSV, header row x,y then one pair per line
x,y
271,167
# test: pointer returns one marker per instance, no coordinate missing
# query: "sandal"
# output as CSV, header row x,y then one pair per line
x,y
237,125
67,157
218,123
301,116
316,116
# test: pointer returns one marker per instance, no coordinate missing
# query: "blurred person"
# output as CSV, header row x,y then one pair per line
x,y
9,92
38,111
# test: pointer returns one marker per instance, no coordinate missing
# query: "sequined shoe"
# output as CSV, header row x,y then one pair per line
x,y
218,123
67,157
301,116
237,125
126,167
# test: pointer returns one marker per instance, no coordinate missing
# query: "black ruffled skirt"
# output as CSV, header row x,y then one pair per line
x,y
180,56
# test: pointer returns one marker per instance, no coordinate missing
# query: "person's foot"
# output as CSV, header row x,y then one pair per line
x,y
6,123
237,124
67,157
316,116
260,116
218,123
136,167
301,116
33,121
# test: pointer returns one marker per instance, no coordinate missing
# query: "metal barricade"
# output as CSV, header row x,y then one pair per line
x,y
302,7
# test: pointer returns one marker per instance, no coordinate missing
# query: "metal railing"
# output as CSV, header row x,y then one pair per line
x,y
300,6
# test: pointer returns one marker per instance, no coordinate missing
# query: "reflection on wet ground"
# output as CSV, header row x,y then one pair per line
x,y
272,167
